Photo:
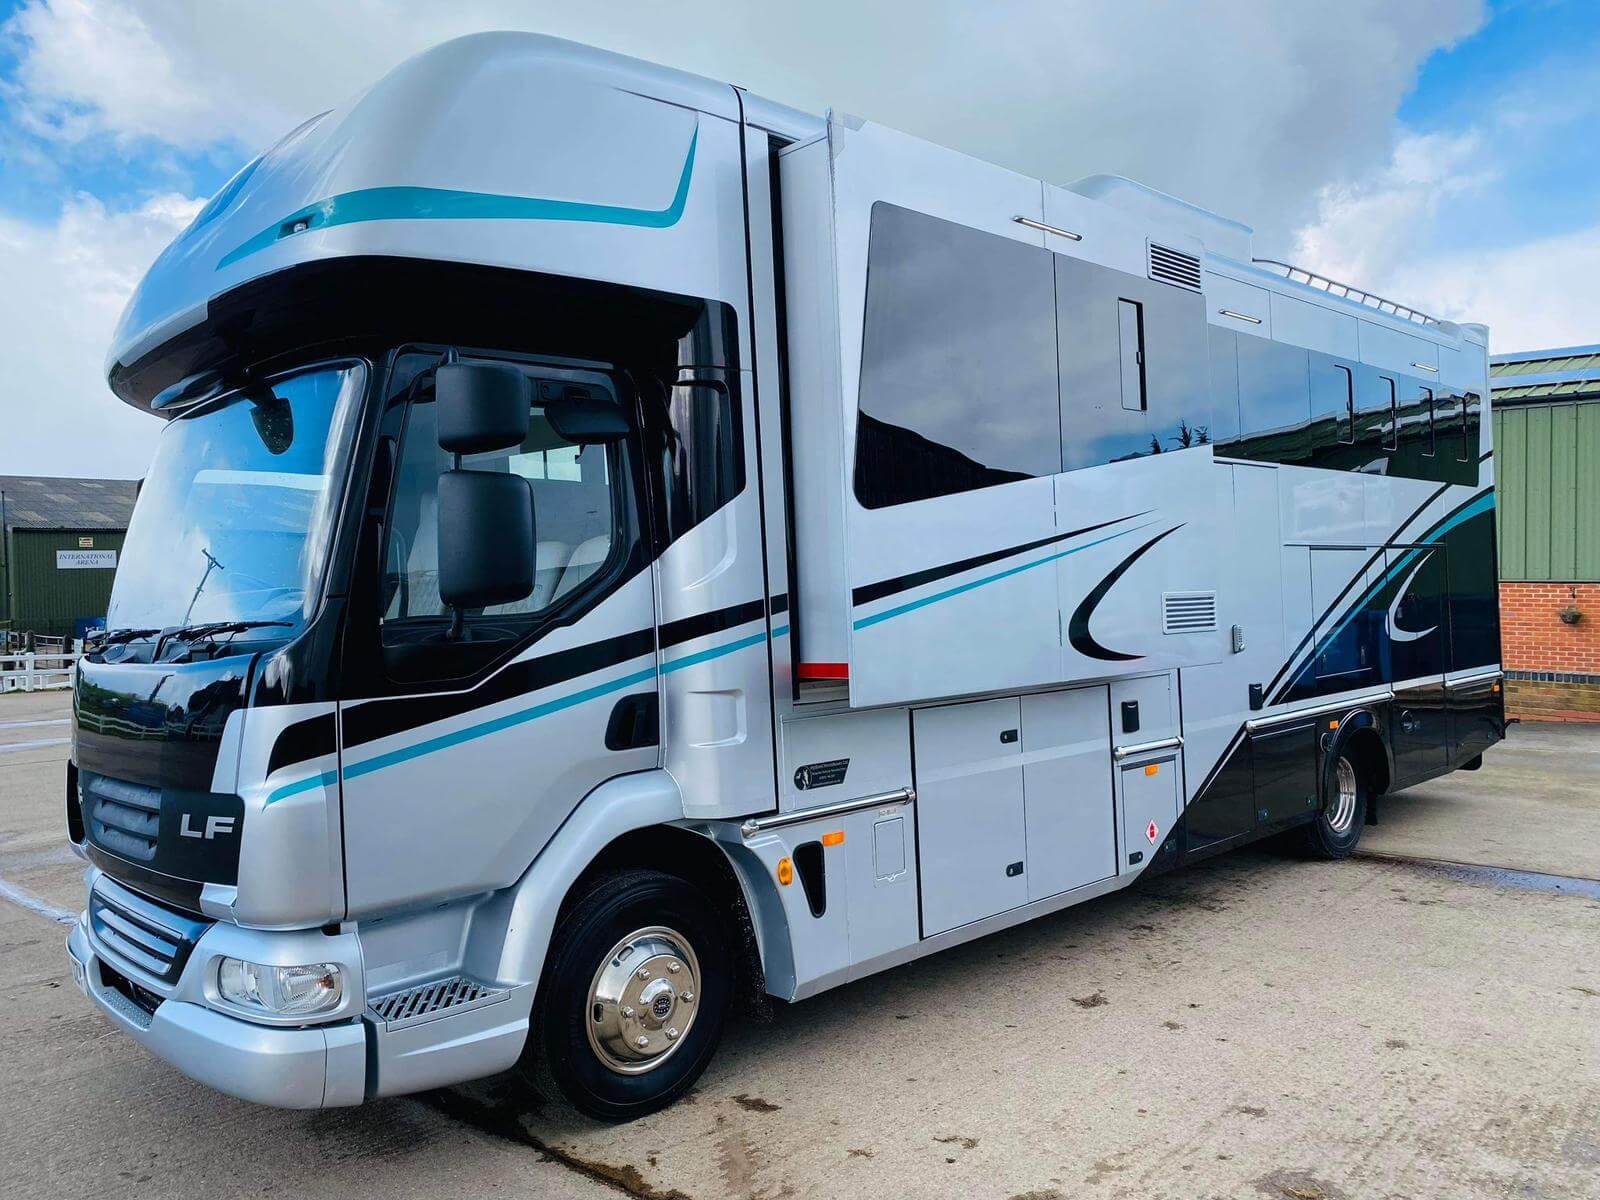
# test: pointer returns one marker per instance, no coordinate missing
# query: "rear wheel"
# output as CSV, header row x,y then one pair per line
x,y
1338,826
634,996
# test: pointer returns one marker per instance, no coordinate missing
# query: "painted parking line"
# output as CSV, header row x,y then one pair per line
x,y
9,747
23,898
34,724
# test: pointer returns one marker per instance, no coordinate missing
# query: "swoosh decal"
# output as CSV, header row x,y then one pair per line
x,y
1397,634
1078,628
868,593
446,204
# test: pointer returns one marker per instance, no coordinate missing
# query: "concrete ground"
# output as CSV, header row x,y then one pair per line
x,y
1256,1027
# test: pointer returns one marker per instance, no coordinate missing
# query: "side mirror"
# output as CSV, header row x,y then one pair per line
x,y
481,407
486,539
586,418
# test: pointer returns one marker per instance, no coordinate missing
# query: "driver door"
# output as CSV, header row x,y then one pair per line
x,y
473,749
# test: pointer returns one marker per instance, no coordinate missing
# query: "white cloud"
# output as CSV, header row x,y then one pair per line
x,y
1244,107
66,283
1363,232
1532,296
1250,108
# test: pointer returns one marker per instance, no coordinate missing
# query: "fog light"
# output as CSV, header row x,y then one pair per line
x,y
281,991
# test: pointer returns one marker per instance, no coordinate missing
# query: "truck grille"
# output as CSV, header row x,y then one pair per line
x,y
142,934
122,817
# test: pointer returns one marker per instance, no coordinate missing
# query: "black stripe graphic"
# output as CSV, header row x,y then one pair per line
x,y
686,629
867,593
1078,628
304,740
383,718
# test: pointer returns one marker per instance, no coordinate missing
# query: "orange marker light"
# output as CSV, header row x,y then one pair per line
x,y
836,838
1333,724
785,872
1153,769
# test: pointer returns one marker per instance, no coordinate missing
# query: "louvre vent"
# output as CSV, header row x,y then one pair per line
x,y
1188,612
1176,267
431,999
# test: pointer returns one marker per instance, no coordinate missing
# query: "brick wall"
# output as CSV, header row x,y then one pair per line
x,y
1553,668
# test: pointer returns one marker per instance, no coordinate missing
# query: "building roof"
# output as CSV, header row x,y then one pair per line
x,y
40,502
1569,373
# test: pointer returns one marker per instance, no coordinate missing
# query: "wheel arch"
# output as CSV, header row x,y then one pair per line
x,y
1360,737
632,821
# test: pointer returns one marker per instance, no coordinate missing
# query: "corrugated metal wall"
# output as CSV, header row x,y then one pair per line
x,y
47,599
1547,474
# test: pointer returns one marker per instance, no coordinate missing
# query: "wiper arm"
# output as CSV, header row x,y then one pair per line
x,y
210,629
116,637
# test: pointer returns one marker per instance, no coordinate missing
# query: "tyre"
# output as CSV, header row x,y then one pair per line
x,y
1338,826
634,996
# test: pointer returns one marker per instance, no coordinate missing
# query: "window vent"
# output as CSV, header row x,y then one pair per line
x,y
1176,267
1188,612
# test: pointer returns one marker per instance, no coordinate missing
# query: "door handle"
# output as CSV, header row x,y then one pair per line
x,y
635,722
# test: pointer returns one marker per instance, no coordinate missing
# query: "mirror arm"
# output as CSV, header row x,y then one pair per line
x,y
458,615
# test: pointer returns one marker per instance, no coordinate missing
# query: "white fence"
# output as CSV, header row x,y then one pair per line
x,y
37,671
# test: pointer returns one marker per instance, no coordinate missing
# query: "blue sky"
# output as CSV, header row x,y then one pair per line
x,y
1440,151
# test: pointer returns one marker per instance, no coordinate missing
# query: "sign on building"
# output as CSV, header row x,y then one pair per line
x,y
86,560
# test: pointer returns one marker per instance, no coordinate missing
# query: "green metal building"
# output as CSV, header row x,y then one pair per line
x,y
1547,474
60,540
1547,463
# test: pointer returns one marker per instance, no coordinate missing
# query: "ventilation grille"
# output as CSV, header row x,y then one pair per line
x,y
431,999
1176,267
134,931
1188,612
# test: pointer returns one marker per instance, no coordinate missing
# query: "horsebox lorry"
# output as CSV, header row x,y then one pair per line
x,y
617,541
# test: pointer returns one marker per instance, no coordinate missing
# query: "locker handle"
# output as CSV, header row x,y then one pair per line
x,y
1122,752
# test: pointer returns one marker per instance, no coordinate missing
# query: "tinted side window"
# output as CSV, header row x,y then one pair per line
x,y
958,361
1224,357
1333,413
576,506
1131,350
1274,402
695,433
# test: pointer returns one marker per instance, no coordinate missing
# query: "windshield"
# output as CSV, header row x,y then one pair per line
x,y
234,518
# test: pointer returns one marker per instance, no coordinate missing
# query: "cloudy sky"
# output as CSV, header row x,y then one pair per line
x,y
1440,151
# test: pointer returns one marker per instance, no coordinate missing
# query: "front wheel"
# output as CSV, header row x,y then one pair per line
x,y
1338,826
634,996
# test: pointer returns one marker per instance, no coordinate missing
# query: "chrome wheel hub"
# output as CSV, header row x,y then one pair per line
x,y
1341,813
643,1000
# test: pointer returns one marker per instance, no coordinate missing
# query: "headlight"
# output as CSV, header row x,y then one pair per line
x,y
281,991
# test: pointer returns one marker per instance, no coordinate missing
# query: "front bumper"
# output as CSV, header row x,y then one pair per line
x,y
317,1067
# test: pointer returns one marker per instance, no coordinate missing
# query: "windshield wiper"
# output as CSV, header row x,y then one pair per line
x,y
211,629
116,637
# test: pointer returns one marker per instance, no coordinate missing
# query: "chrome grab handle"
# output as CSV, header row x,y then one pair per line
x,y
1122,752
757,825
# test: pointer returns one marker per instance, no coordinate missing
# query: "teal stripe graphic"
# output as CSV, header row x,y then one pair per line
x,y
444,204
512,720
902,609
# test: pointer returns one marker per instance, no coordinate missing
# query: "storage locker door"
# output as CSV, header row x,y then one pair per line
x,y
1066,780
970,827
1149,808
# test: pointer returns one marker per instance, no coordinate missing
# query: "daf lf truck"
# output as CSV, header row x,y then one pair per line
x,y
617,542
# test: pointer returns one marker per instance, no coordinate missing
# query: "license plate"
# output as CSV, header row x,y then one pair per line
x,y
79,977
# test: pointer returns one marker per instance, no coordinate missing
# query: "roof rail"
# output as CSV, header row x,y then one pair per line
x,y
1334,288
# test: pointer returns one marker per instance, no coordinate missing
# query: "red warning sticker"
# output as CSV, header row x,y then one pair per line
x,y
1151,832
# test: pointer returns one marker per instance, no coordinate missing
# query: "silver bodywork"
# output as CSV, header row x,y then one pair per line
x,y
432,862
